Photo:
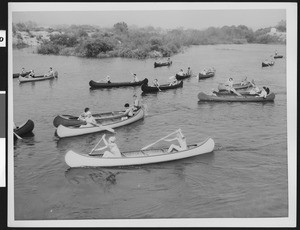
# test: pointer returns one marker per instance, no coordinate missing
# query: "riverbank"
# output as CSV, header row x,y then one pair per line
x,y
139,43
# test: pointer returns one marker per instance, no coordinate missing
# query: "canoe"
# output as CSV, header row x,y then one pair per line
x,y
265,64
37,78
278,56
225,92
236,86
25,128
235,98
207,75
63,131
70,120
181,77
96,84
159,64
152,89
138,157
16,75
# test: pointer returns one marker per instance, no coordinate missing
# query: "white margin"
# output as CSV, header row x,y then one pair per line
x,y
290,221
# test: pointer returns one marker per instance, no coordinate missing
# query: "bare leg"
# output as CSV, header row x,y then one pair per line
x,y
173,147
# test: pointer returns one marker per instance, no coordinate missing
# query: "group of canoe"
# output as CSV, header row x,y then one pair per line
x,y
244,91
69,125
268,62
156,87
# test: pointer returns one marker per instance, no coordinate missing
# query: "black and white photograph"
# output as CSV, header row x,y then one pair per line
x,y
152,114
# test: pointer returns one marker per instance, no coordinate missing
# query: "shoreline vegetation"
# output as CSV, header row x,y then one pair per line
x,y
134,42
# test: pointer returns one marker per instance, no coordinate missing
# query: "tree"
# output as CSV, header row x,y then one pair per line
x,y
121,27
281,26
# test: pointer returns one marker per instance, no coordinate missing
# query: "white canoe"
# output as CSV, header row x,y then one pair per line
x,y
37,78
31,79
63,131
139,157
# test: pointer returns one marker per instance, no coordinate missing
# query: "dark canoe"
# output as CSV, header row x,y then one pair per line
x,y
234,98
153,89
95,84
278,56
207,75
25,128
16,75
236,86
70,120
185,76
159,64
265,64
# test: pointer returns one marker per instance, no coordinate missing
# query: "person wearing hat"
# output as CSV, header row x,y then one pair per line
x,y
113,151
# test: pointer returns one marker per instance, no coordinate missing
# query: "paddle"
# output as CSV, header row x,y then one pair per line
x,y
146,147
20,138
96,146
104,127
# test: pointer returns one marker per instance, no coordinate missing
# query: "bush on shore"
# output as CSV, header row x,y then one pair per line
x,y
141,43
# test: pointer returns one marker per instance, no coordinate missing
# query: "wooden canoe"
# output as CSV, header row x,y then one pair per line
x,y
152,89
159,64
63,131
234,98
236,86
25,128
138,157
96,84
181,77
70,120
37,78
207,75
265,64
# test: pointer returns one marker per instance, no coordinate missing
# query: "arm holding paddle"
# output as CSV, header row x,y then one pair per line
x,y
148,146
99,149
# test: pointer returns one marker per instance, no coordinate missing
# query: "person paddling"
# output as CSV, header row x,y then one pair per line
x,y
136,103
128,111
182,143
156,84
114,150
87,117
135,79
230,88
31,74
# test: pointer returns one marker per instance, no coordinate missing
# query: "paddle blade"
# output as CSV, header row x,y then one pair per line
x,y
109,129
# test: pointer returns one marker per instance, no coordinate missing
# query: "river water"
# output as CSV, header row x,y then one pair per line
x,y
245,176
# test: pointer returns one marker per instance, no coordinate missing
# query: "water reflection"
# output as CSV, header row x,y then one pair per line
x,y
101,177
27,139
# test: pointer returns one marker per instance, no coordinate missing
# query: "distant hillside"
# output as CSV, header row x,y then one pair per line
x,y
133,42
